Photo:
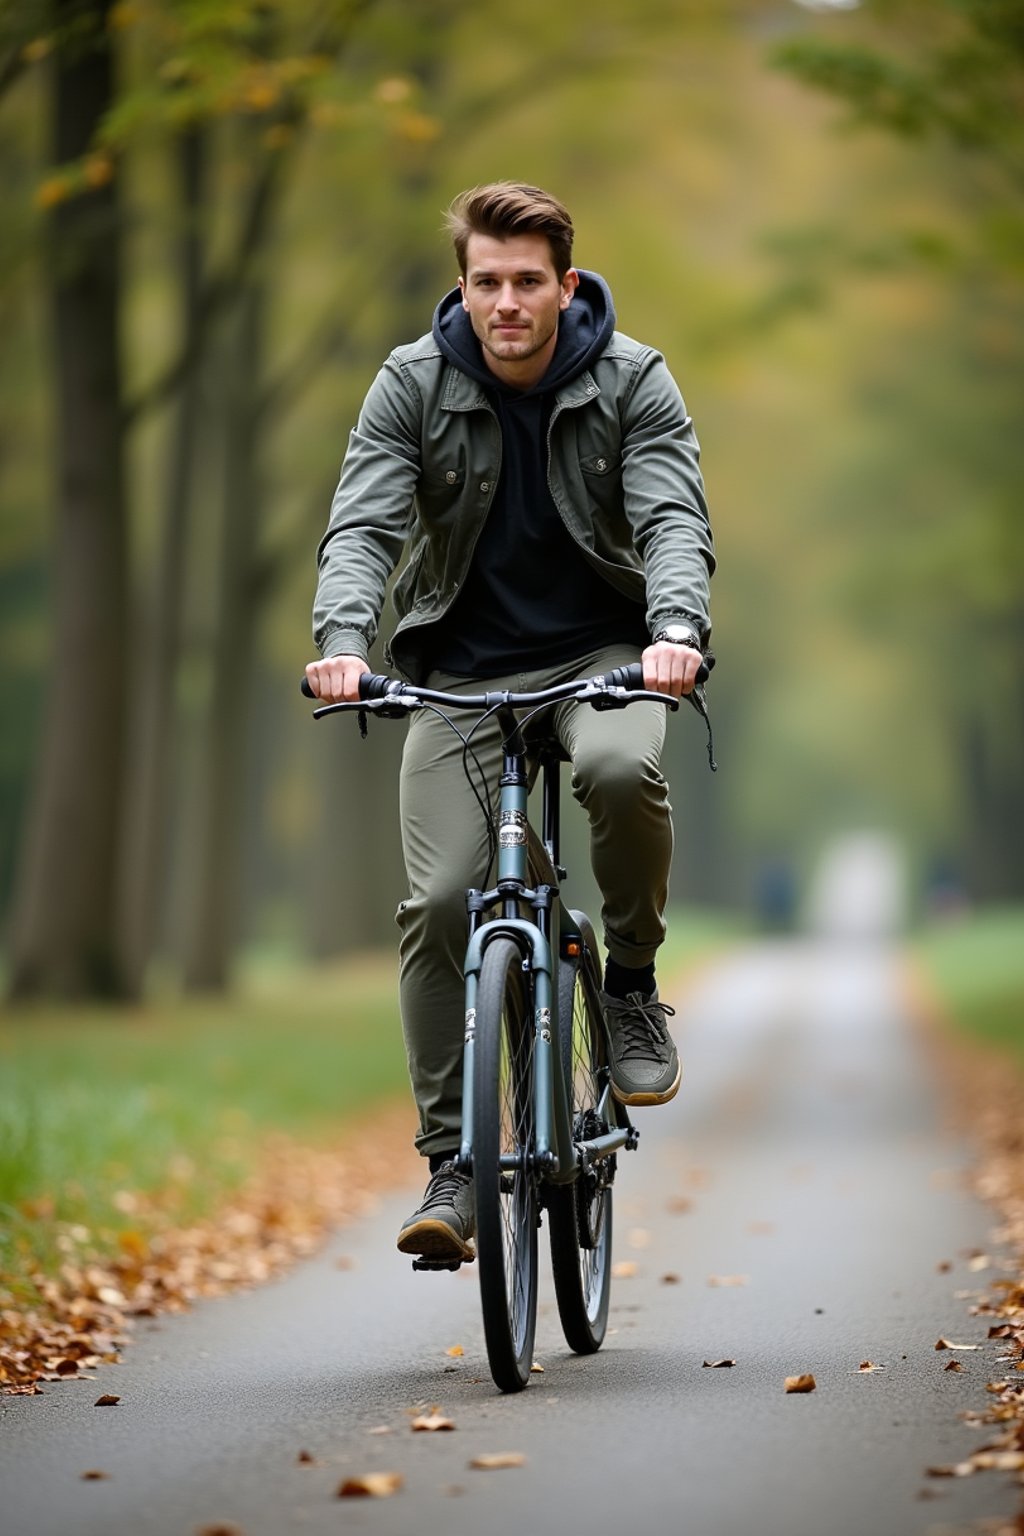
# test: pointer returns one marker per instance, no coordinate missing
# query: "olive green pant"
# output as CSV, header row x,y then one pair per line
x,y
615,777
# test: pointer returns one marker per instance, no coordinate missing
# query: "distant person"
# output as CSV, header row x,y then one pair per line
x,y
542,471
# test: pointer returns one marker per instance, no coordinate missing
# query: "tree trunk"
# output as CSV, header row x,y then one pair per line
x,y
213,903
143,877
63,929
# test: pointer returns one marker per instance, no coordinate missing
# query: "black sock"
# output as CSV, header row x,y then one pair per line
x,y
437,1158
621,980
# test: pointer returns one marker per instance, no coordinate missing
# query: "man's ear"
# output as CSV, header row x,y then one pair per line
x,y
570,282
462,290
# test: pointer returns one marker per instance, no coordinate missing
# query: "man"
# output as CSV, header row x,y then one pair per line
x,y
544,473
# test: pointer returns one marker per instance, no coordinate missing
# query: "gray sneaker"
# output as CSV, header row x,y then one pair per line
x,y
644,1063
445,1222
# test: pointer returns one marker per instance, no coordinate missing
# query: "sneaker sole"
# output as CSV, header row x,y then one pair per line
x,y
647,1096
430,1239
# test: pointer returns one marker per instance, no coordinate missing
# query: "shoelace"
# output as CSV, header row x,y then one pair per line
x,y
643,1028
444,1185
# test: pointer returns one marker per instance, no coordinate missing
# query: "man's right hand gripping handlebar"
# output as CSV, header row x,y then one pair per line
x,y
335,680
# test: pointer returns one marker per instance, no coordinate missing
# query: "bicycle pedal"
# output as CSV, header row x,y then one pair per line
x,y
451,1264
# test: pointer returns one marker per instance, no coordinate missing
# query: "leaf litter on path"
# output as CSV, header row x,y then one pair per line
x,y
371,1485
82,1316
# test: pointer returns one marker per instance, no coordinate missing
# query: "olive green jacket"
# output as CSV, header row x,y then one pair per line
x,y
421,468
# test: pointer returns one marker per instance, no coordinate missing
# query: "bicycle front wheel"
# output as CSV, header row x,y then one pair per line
x,y
504,1183
580,1214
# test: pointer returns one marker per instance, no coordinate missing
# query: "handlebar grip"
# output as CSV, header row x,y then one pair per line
x,y
374,685
632,677
306,690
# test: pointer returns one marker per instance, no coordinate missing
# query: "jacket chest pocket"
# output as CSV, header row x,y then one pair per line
x,y
439,493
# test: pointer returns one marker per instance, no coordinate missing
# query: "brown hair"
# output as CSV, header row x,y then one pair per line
x,y
505,208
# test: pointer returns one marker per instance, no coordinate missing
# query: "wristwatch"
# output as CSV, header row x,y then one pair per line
x,y
678,634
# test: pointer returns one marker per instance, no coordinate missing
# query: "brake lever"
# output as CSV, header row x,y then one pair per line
x,y
621,698
388,708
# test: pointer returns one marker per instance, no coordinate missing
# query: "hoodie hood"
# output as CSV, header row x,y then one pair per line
x,y
584,330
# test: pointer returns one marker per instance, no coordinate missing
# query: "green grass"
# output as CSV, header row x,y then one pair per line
x,y
178,1097
977,965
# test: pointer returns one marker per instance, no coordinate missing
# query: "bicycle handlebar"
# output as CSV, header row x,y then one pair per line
x,y
374,686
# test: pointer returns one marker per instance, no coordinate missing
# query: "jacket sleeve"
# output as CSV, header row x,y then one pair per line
x,y
369,519
665,501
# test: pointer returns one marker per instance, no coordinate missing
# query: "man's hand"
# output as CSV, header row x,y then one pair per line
x,y
336,681
670,668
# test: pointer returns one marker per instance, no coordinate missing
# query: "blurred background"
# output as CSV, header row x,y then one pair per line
x,y
220,215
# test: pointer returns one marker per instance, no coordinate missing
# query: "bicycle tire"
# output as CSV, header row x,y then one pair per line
x,y
506,1199
580,1214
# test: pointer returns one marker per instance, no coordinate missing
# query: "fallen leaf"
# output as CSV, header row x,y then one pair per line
x,y
943,1267
950,1344
430,1423
960,1469
220,1529
108,1400
456,1351
679,1205
380,1429
671,1278
804,1383
305,1459
536,1369
954,1365
94,1475
639,1237
716,1365
624,1269
979,1262
867,1366
726,1280
493,1461
372,1485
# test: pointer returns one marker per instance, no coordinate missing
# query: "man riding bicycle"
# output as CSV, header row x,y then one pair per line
x,y
543,473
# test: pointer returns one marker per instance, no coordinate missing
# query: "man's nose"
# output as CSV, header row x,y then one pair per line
x,y
508,299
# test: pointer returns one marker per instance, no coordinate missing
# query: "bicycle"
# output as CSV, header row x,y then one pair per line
x,y
541,1128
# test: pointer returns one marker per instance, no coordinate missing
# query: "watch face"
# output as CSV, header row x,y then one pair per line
x,y
678,634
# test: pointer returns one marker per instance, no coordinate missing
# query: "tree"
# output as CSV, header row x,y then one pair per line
x,y
63,935
949,79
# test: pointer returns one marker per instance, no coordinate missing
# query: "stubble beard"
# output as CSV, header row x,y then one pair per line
x,y
514,350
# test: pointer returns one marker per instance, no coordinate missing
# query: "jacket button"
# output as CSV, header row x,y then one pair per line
x,y
485,485
451,477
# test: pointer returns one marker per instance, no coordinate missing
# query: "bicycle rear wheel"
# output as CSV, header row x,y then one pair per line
x,y
504,1183
581,1213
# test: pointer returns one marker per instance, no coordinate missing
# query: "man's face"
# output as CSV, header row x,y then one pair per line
x,y
513,298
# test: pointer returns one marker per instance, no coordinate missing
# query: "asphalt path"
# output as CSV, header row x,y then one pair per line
x,y
793,1210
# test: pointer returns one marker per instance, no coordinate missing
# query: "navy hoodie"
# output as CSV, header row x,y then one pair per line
x,y
530,599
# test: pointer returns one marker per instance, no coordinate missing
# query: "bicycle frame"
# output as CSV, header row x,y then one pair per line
x,y
556,1157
